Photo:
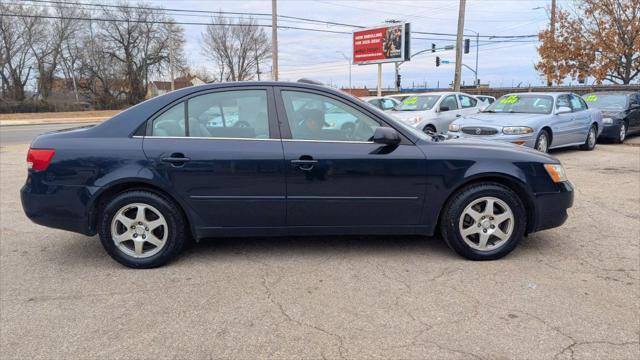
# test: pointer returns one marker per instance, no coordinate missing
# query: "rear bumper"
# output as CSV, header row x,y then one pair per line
x,y
58,206
551,208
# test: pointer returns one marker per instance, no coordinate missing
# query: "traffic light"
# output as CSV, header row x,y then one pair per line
x,y
433,47
437,61
466,45
398,79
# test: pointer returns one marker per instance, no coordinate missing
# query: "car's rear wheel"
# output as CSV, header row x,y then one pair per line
x,y
622,134
141,229
542,141
484,221
590,143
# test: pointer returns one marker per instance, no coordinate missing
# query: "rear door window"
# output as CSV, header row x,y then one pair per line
x,y
170,123
467,102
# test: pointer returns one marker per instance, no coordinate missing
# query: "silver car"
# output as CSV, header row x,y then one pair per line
x,y
539,120
383,103
435,111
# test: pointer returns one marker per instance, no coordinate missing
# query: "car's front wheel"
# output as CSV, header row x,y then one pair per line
x,y
141,229
622,134
484,221
542,141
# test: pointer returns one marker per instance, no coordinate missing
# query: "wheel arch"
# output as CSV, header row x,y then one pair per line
x,y
110,191
547,128
511,182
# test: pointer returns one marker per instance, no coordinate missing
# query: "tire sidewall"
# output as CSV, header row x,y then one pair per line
x,y
586,145
451,233
546,135
173,217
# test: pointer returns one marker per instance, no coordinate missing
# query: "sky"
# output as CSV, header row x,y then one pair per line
x,y
320,55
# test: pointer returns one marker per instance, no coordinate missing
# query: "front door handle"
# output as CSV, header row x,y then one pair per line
x,y
304,164
458,115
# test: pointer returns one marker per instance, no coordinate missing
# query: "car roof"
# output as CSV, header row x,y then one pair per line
x,y
623,92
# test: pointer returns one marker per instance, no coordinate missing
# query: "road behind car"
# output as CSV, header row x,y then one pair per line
x,y
567,292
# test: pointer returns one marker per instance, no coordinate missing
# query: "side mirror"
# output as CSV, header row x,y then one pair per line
x,y
634,106
444,108
386,136
563,110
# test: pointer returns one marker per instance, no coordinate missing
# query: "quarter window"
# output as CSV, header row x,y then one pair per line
x,y
316,117
170,123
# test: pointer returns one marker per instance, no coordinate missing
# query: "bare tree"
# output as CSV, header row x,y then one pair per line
x,y
16,55
236,48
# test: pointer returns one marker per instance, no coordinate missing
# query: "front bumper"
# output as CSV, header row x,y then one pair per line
x,y
526,140
551,208
58,206
611,131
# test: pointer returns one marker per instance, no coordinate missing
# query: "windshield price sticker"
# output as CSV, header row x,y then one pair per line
x,y
511,99
591,98
410,101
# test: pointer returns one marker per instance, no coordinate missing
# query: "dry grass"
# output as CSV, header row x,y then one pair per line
x,y
60,115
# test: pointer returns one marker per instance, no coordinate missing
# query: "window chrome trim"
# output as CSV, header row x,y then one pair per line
x,y
251,139
202,138
330,141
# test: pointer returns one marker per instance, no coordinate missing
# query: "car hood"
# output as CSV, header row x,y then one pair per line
x,y
499,119
497,149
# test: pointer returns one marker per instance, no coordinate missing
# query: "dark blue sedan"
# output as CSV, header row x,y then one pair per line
x,y
270,159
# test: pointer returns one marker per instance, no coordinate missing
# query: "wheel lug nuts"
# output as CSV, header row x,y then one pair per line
x,y
493,226
485,230
146,229
135,235
144,236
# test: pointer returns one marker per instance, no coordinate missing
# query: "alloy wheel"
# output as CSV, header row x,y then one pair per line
x,y
486,223
591,140
139,230
543,143
623,132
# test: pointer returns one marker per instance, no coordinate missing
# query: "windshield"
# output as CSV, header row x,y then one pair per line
x,y
528,104
612,102
418,103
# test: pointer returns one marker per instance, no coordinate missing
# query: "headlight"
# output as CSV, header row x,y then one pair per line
x,y
556,172
454,127
607,120
517,130
414,120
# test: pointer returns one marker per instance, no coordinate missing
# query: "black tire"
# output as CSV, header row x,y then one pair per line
x,y
175,226
622,134
543,141
590,143
429,128
450,221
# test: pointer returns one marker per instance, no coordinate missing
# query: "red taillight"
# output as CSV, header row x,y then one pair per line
x,y
39,159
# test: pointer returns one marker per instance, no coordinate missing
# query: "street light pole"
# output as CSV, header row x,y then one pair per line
x,y
477,51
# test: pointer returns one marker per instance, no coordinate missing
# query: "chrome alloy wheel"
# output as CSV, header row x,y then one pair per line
x,y
486,223
591,140
543,143
623,131
139,230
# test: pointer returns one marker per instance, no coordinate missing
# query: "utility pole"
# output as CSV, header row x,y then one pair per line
x,y
257,60
173,83
477,51
397,66
274,40
552,25
456,79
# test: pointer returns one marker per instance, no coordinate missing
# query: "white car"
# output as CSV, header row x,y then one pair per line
x,y
486,100
383,103
435,111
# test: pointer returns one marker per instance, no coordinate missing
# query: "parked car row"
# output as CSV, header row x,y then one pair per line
x,y
542,121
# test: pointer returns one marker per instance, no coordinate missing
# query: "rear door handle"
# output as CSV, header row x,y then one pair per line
x,y
176,159
304,164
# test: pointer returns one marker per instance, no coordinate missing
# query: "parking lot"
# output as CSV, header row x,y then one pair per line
x,y
570,292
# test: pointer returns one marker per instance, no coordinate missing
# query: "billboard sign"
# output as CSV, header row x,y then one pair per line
x,y
388,43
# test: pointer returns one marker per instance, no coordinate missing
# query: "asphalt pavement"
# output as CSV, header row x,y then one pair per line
x,y
23,134
566,293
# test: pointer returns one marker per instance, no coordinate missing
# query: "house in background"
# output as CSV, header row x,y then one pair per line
x,y
156,88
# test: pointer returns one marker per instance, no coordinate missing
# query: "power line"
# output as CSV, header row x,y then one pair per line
x,y
284,27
